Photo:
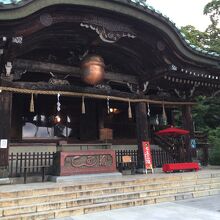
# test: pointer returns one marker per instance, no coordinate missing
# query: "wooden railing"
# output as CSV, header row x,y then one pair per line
x,y
21,161
33,162
159,157
166,144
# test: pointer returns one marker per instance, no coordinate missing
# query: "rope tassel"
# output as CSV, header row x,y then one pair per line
x,y
83,105
32,103
129,110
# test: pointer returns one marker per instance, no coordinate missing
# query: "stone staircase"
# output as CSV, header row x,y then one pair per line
x,y
55,200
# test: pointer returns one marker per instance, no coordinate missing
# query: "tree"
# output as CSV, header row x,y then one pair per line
x,y
210,39
207,112
196,37
212,9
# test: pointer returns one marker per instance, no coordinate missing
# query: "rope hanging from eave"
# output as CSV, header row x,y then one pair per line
x,y
89,95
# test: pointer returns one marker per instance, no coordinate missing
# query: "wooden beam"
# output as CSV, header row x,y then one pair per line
x,y
43,86
89,92
155,74
184,76
44,67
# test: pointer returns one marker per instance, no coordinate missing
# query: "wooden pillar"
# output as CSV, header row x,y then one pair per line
x,y
101,115
5,126
170,117
16,118
88,122
142,131
188,125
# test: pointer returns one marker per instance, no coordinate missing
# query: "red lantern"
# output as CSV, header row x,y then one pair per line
x,y
93,69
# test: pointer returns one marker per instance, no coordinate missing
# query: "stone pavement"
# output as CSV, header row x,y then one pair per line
x,y
205,208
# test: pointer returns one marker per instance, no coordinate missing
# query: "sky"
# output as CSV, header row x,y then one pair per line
x,y
183,12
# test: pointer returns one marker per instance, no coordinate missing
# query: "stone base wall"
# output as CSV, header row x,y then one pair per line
x,y
4,172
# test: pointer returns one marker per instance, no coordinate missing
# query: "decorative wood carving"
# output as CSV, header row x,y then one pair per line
x,y
84,162
108,30
57,81
136,88
217,93
186,94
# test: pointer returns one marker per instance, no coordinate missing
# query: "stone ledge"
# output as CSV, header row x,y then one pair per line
x,y
4,181
84,177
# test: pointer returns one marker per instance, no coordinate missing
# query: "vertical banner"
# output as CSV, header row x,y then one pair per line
x,y
147,156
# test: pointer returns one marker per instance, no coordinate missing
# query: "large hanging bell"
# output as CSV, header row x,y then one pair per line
x,y
93,69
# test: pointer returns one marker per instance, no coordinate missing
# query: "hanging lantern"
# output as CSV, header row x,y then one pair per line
x,y
93,69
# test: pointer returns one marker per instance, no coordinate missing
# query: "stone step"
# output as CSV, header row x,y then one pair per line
x,y
85,209
109,185
80,194
65,193
60,200
68,201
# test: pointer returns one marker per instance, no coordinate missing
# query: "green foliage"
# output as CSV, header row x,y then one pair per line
x,y
206,116
214,138
213,10
206,113
195,36
199,113
212,116
210,39
214,39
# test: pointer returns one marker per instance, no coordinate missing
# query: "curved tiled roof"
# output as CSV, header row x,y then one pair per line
x,y
140,4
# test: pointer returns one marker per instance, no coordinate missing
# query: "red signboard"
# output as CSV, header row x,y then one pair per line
x,y
147,155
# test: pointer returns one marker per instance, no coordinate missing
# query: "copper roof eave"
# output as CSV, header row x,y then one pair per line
x,y
136,11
